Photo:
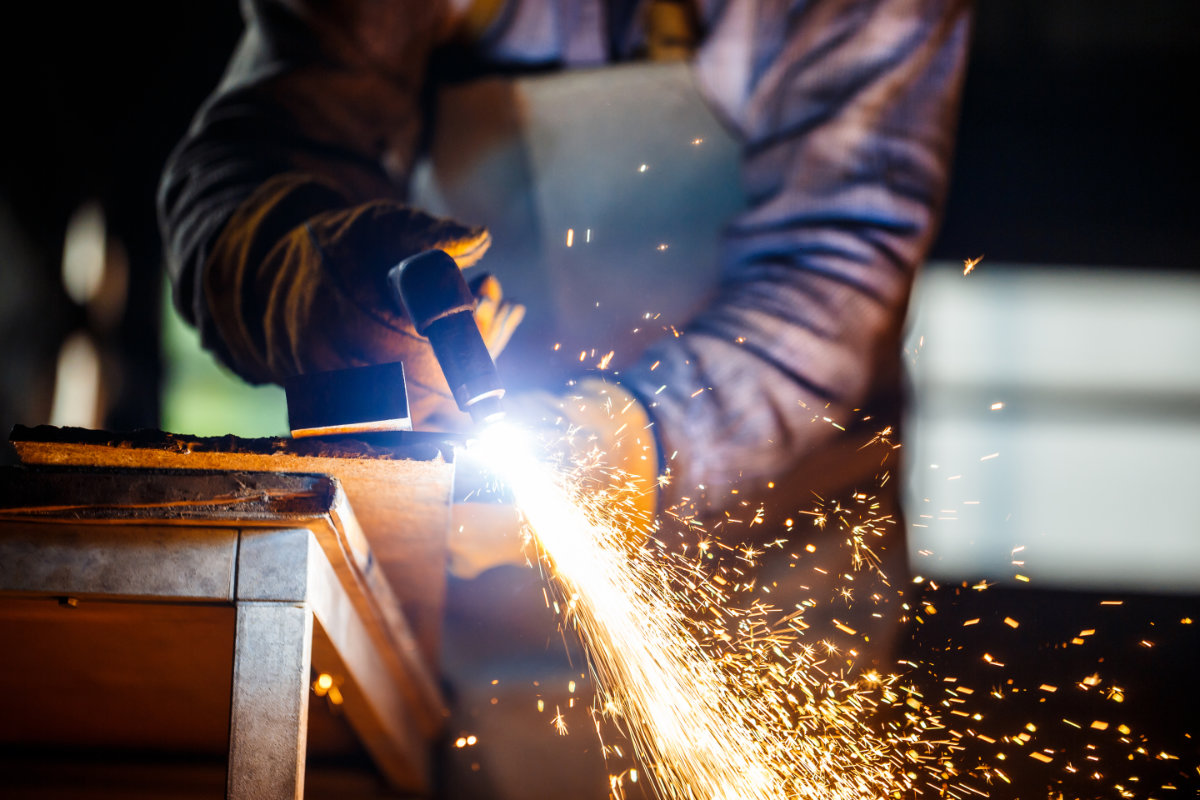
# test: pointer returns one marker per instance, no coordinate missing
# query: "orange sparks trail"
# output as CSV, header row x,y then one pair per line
x,y
711,720
724,696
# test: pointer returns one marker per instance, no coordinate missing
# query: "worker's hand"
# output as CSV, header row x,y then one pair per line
x,y
599,433
289,299
496,316
402,231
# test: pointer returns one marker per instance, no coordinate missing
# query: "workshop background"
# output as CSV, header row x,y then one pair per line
x,y
1052,446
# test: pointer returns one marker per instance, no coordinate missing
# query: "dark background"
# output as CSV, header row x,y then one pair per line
x,y
1073,150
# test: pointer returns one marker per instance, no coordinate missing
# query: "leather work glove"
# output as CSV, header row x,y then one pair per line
x,y
496,317
596,430
288,299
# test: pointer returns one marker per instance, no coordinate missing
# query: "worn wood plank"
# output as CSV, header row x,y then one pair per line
x,y
104,676
400,486
206,518
91,493
301,545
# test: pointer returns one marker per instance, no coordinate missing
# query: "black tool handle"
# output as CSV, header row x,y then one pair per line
x,y
431,288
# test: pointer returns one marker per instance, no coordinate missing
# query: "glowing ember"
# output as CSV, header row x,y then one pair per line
x,y
725,696
718,704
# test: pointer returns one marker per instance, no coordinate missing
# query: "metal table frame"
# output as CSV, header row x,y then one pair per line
x,y
286,551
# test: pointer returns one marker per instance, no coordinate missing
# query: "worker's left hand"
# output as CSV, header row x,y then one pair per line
x,y
496,316
597,431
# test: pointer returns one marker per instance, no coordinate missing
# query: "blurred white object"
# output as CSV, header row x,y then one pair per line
x,y
78,384
606,192
83,253
1055,428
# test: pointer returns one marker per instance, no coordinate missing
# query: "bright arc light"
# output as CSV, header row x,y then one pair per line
x,y
702,729
667,688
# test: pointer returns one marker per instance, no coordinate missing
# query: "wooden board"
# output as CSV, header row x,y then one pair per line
x,y
399,485
118,593
116,675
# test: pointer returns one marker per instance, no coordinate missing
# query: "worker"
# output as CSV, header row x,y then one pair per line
x,y
286,204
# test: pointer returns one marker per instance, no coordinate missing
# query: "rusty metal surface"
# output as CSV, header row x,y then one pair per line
x,y
276,565
400,486
94,493
268,719
154,538
392,445
149,562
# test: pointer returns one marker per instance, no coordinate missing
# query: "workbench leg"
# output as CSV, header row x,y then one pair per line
x,y
268,721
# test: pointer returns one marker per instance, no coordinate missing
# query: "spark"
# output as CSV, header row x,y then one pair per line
x,y
724,697
969,264
559,723
718,711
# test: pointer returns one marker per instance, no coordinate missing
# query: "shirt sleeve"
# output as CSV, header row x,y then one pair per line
x,y
317,115
847,112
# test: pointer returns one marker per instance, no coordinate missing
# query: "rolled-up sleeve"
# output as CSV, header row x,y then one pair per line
x,y
847,113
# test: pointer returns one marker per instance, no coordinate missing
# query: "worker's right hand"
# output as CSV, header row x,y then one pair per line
x,y
288,299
